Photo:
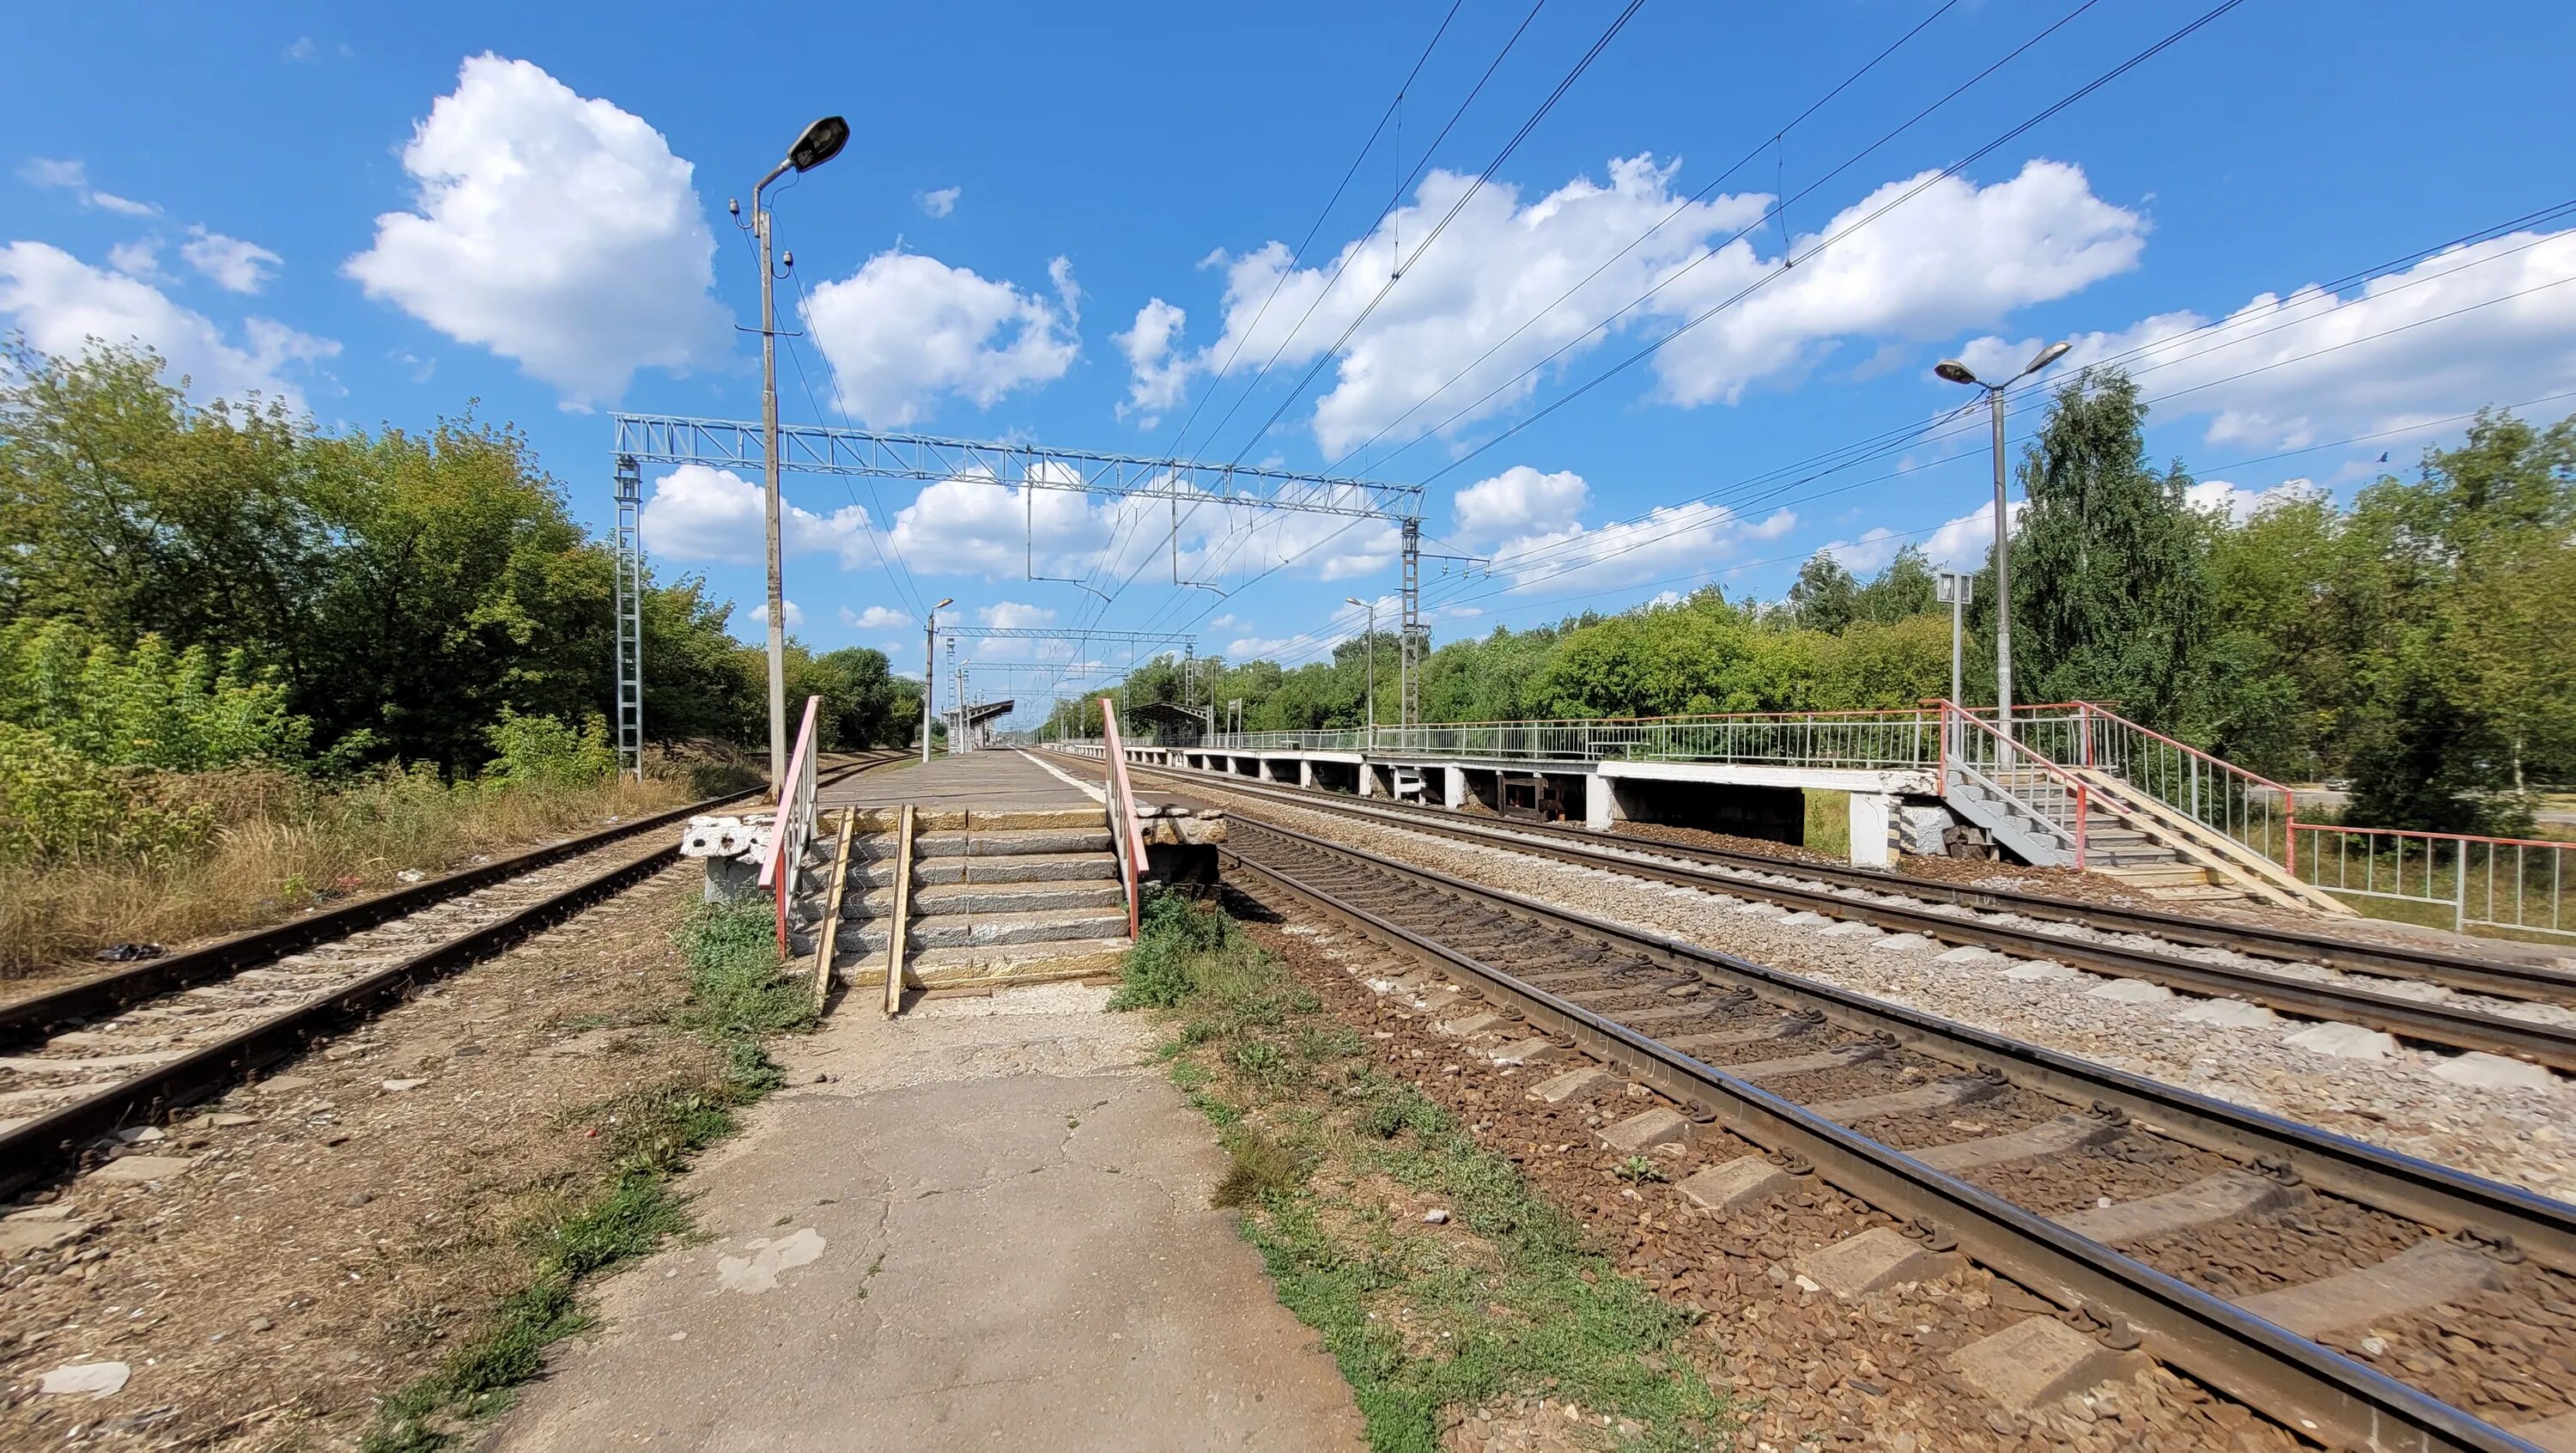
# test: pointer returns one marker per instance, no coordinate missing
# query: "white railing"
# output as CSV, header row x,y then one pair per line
x,y
2502,885
793,828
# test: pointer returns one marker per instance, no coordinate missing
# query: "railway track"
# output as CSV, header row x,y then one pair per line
x,y
122,1050
2232,1245
2408,992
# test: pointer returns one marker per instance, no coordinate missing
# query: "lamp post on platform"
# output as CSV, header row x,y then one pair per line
x,y
1956,372
1371,607
821,142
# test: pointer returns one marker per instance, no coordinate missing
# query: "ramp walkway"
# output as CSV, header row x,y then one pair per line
x,y
988,1228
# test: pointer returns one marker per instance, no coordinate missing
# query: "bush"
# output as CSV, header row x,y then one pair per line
x,y
149,706
58,806
539,751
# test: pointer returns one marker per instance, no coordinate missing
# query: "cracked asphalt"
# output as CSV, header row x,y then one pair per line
x,y
988,1228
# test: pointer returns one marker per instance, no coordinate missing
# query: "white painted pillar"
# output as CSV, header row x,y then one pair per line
x,y
1368,777
1454,784
1599,808
1305,771
1873,818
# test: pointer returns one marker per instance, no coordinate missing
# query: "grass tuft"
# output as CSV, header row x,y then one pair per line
x,y
1424,1327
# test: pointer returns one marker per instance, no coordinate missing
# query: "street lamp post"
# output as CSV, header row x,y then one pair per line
x,y
821,142
1371,607
930,673
1957,372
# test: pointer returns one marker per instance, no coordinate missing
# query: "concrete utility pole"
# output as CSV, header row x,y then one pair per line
x,y
930,673
1953,588
1957,372
821,142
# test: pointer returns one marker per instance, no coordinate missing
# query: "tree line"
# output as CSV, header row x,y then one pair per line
x,y
2418,642
187,586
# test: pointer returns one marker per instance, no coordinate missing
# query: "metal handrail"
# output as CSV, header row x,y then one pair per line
x,y
793,827
1961,726
2214,792
1123,832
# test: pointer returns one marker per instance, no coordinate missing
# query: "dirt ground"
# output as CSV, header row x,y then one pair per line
x,y
340,1221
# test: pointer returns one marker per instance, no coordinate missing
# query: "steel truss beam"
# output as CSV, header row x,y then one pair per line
x,y
814,449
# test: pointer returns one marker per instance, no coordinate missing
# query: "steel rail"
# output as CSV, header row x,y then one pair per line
x,y
38,1149
2312,1388
2502,978
31,1019
2467,1029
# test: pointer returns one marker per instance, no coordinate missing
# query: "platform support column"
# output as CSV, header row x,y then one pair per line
x,y
1600,802
1873,830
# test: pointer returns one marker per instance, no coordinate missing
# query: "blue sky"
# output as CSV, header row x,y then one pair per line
x,y
1072,226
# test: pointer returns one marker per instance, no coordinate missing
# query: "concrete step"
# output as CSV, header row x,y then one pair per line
x,y
1047,925
2174,874
1011,842
984,899
1018,868
975,966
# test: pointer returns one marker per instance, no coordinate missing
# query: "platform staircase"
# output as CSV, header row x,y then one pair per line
x,y
982,899
2081,786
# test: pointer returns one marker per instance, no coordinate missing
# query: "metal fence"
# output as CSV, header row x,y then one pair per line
x,y
2456,880
1863,740
2052,805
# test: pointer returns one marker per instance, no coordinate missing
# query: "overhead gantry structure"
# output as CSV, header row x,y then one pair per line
x,y
643,439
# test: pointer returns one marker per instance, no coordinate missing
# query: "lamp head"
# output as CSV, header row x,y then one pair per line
x,y
821,142
1355,600
2049,355
945,604
1955,371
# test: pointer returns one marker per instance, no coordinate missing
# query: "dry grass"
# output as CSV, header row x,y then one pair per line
x,y
285,846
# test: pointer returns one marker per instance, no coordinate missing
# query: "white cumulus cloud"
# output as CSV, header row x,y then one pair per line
x,y
1528,523
556,230
1956,255
228,262
73,176
938,203
2493,322
906,329
60,303
795,614
701,513
875,618
1157,372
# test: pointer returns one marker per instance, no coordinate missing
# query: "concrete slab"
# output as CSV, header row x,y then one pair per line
x,y
2495,1072
2345,1041
991,1230
2035,1362
991,781
2054,1137
1646,1130
1534,1050
136,1169
1878,1257
2131,991
1573,1085
1737,1183
2226,1196
2424,1275
1938,1096
2227,1014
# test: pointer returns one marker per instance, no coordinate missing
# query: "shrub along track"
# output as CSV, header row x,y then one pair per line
x,y
2404,990
121,1051
2249,1248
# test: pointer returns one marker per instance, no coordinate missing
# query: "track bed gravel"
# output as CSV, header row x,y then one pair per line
x,y
2511,1134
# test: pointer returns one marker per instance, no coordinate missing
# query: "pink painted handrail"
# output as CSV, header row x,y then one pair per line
x,y
2006,750
1122,809
793,821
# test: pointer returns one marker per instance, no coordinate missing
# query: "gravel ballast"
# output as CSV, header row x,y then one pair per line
x,y
2402,1101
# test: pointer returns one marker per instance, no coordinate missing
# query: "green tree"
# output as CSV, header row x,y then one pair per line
x,y
1824,597
2110,590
